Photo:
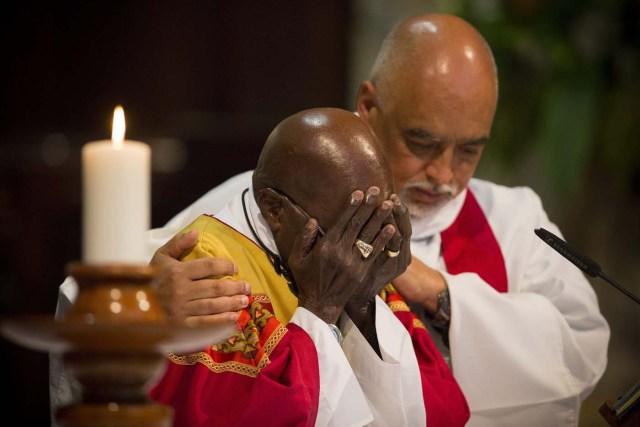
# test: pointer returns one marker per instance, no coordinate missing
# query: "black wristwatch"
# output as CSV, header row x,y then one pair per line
x,y
443,315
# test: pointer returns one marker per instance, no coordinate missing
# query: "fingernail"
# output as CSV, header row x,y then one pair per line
x,y
395,199
244,300
235,269
371,192
356,197
247,288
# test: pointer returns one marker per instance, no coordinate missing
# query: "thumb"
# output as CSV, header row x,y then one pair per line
x,y
179,243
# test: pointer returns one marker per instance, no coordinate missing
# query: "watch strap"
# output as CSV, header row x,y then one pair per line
x,y
442,317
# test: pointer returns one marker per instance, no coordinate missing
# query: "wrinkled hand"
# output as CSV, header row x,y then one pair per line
x,y
329,270
193,291
385,268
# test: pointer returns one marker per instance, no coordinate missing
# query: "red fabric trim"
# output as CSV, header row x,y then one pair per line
x,y
469,245
444,401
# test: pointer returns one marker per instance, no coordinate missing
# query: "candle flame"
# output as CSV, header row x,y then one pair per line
x,y
117,133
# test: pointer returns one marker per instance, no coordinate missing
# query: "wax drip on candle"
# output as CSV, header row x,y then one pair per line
x,y
119,126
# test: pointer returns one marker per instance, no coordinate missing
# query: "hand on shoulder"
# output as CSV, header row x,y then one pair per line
x,y
189,291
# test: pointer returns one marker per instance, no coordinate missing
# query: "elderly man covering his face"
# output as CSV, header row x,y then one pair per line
x,y
319,234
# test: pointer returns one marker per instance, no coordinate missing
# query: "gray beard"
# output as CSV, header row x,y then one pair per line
x,y
421,210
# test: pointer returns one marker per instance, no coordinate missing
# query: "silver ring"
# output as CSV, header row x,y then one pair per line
x,y
392,254
364,248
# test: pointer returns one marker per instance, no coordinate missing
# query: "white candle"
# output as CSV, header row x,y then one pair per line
x,y
116,197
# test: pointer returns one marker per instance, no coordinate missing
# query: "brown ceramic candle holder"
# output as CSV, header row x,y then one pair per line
x,y
113,342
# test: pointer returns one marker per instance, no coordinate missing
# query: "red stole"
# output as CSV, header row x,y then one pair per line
x,y
444,401
469,245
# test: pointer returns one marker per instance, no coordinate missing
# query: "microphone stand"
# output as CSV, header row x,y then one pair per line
x,y
581,261
619,287
624,412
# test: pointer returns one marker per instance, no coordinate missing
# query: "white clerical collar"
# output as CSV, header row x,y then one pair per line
x,y
438,220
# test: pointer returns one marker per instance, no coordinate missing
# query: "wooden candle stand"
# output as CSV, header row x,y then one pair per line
x,y
113,342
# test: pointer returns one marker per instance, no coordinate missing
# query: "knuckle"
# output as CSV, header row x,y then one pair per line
x,y
177,293
366,236
217,266
174,272
210,264
216,286
208,306
355,222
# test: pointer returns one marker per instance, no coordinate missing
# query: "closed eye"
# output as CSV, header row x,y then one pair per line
x,y
420,148
422,143
472,148
469,149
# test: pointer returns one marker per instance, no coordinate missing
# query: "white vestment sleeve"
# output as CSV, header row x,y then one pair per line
x,y
392,385
342,403
527,357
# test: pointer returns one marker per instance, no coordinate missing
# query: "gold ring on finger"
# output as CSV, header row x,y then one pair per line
x,y
364,248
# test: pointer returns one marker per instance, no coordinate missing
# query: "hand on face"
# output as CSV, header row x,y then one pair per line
x,y
392,260
330,271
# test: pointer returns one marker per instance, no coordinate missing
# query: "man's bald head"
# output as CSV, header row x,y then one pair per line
x,y
315,159
436,48
318,157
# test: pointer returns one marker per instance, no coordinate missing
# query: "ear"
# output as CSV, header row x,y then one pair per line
x,y
271,207
366,100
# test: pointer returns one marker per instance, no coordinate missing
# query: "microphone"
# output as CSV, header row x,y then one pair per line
x,y
581,261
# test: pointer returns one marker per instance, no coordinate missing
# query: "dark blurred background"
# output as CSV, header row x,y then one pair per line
x,y
204,82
